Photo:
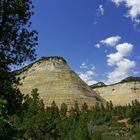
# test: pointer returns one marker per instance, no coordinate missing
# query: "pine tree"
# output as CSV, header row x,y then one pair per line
x,y
63,109
7,131
102,107
76,107
85,107
53,111
111,105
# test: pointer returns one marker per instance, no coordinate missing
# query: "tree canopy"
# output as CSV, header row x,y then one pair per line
x,y
17,40
17,45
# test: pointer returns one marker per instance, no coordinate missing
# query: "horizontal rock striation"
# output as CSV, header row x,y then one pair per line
x,y
55,81
122,93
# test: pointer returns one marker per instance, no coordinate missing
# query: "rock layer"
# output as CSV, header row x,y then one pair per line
x,y
55,81
122,93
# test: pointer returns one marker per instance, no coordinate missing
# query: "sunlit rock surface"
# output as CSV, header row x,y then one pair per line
x,y
55,81
120,93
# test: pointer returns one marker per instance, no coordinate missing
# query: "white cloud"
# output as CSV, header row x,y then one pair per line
x,y
97,45
133,8
83,65
87,73
117,2
122,70
111,41
101,10
119,60
125,48
113,58
122,51
123,66
86,65
88,76
91,82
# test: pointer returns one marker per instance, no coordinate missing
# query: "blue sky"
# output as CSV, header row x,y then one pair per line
x,y
73,28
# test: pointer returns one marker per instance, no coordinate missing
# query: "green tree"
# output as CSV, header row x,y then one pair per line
x,y
102,107
97,135
7,130
53,117
63,109
97,106
136,131
85,107
76,107
33,122
135,111
17,45
17,42
81,127
53,111
110,105
107,106
32,105
72,111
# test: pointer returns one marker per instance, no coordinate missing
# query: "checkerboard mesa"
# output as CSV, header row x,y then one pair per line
x,y
55,81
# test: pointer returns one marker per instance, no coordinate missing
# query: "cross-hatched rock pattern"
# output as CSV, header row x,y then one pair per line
x,y
55,81
122,93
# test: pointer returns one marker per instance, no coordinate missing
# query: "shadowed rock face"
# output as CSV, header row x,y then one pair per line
x,y
56,82
121,93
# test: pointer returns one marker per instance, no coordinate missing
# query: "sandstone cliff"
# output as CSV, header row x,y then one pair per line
x,y
121,93
56,82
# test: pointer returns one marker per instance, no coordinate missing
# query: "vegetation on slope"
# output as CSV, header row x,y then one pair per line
x,y
126,80
101,123
131,79
23,118
97,85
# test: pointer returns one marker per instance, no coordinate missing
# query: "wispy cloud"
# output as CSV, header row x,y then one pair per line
x,y
101,10
133,7
87,76
83,65
87,73
97,45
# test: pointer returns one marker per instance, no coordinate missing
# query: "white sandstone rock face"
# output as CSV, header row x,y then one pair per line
x,y
55,81
120,93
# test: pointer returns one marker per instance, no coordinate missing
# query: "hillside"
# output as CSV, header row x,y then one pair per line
x,y
121,93
55,81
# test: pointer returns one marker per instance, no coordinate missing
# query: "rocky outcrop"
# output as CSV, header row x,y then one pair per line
x,y
55,81
121,93
97,85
